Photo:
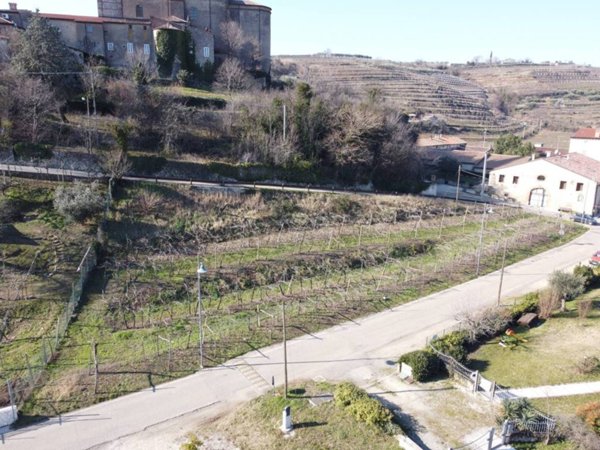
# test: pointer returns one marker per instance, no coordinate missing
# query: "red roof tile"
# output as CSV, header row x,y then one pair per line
x,y
587,133
579,164
92,19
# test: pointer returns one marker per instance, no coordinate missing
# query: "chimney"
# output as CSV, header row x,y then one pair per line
x,y
12,6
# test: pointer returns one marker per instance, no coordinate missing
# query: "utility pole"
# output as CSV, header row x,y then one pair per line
x,y
485,162
502,271
458,185
285,369
284,122
201,270
481,239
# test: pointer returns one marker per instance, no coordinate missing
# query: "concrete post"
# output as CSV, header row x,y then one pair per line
x,y
286,420
491,439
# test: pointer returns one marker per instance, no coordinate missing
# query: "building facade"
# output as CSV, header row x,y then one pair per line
x,y
127,28
586,141
568,183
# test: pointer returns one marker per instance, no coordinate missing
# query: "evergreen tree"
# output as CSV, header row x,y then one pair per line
x,y
41,50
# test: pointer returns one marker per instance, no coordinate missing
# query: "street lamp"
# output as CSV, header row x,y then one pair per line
x,y
201,270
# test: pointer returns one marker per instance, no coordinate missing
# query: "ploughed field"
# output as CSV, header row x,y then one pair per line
x,y
330,258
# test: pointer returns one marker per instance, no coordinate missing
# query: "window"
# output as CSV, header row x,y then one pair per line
x,y
563,185
541,178
207,52
146,49
579,187
139,11
501,179
110,46
89,28
130,47
515,180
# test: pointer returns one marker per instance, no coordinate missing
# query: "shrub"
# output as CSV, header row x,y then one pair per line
x,y
528,304
590,413
347,393
454,345
520,411
485,324
28,151
567,286
78,201
577,433
587,273
587,365
370,411
425,364
549,302
10,211
583,308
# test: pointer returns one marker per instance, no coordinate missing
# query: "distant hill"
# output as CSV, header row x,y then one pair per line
x,y
557,97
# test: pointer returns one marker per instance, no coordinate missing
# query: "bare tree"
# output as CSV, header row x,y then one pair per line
x,y
32,103
173,118
233,38
232,76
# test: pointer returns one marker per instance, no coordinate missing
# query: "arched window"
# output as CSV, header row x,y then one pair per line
x,y
541,178
139,11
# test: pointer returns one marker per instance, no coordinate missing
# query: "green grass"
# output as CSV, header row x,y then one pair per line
x,y
558,406
255,425
548,356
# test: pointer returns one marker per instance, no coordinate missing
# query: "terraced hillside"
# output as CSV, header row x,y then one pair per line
x,y
462,104
561,98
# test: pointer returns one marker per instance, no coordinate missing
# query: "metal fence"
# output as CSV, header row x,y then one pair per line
x,y
538,426
19,389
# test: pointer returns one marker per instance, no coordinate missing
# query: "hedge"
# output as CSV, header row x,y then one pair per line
x,y
425,365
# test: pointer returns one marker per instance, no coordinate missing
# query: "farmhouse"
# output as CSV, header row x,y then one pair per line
x,y
586,142
568,182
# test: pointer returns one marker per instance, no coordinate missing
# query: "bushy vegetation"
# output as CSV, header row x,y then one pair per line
x,y
453,344
425,365
364,409
79,201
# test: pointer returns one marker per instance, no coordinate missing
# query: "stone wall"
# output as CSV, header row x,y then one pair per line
x,y
110,8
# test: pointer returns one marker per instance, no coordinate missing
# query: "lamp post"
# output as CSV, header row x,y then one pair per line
x,y
201,270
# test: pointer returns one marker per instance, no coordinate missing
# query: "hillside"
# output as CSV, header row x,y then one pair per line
x,y
560,98
557,98
462,104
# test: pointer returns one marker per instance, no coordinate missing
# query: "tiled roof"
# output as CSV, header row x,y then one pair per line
x,y
587,133
92,19
247,3
579,164
440,140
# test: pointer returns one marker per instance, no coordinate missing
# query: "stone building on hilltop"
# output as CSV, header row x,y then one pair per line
x,y
125,28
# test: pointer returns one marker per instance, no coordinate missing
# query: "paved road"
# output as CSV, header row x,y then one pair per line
x,y
361,351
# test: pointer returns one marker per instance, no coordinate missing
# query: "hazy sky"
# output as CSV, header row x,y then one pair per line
x,y
433,30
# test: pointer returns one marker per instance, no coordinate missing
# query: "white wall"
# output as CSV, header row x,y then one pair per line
x,y
587,147
586,200
7,416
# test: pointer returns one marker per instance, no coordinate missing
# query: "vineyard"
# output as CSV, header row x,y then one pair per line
x,y
329,258
461,103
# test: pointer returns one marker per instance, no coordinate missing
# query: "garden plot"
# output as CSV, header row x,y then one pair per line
x,y
551,353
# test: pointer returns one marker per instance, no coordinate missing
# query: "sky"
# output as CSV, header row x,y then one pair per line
x,y
433,30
